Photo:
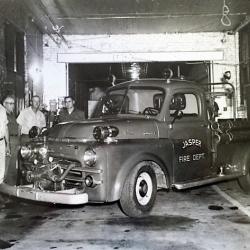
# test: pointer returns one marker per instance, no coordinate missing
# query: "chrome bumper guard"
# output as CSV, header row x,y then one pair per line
x,y
70,196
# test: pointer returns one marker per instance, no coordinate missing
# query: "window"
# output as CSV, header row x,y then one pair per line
x,y
134,100
187,103
14,49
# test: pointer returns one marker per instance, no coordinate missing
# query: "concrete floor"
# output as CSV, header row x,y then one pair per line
x,y
191,220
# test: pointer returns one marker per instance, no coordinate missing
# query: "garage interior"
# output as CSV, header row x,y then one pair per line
x,y
42,39
56,48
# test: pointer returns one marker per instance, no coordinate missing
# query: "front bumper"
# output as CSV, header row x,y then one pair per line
x,y
70,196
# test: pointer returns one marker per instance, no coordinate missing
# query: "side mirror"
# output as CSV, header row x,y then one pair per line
x,y
178,114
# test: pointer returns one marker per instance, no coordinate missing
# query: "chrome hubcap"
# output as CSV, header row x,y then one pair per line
x,y
144,188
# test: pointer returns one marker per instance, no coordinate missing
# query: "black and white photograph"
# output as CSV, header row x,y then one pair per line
x,y
125,124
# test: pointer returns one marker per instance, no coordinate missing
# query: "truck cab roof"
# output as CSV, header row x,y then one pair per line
x,y
156,82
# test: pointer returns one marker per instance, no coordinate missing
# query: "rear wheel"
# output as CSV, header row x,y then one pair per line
x,y
244,183
139,191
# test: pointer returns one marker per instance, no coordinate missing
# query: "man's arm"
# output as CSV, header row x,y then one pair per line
x,y
7,140
43,121
61,116
19,129
20,121
6,133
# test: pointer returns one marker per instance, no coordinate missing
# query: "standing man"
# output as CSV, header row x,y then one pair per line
x,y
11,161
30,117
4,141
70,113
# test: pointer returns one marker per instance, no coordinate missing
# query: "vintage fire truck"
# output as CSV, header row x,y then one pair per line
x,y
146,135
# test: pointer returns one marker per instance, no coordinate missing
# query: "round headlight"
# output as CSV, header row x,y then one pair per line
x,y
89,157
43,151
25,152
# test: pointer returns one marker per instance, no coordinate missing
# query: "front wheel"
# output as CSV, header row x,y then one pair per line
x,y
139,191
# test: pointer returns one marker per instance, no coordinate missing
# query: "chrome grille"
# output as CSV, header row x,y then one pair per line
x,y
75,177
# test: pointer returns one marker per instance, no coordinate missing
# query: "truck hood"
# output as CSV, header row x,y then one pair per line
x,y
129,128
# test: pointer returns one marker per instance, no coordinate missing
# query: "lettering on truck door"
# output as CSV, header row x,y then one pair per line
x,y
191,137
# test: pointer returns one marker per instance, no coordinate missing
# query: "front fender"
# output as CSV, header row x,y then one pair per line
x,y
125,168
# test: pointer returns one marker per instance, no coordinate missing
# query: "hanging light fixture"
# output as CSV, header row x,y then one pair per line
x,y
134,70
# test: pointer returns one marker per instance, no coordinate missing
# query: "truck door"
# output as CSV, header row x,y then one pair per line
x,y
190,133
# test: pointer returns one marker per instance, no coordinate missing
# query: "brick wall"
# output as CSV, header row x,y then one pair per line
x,y
55,75
16,14
10,14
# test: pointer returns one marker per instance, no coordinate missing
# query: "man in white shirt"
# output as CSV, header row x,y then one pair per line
x,y
31,117
4,141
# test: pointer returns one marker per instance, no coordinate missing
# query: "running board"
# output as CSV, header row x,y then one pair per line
x,y
218,178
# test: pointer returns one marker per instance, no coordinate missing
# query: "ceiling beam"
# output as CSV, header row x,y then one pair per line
x,y
151,15
139,57
40,5
242,24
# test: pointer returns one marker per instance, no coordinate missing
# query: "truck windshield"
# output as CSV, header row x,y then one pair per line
x,y
133,100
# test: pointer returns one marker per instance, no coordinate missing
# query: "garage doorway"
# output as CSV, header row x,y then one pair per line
x,y
88,81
